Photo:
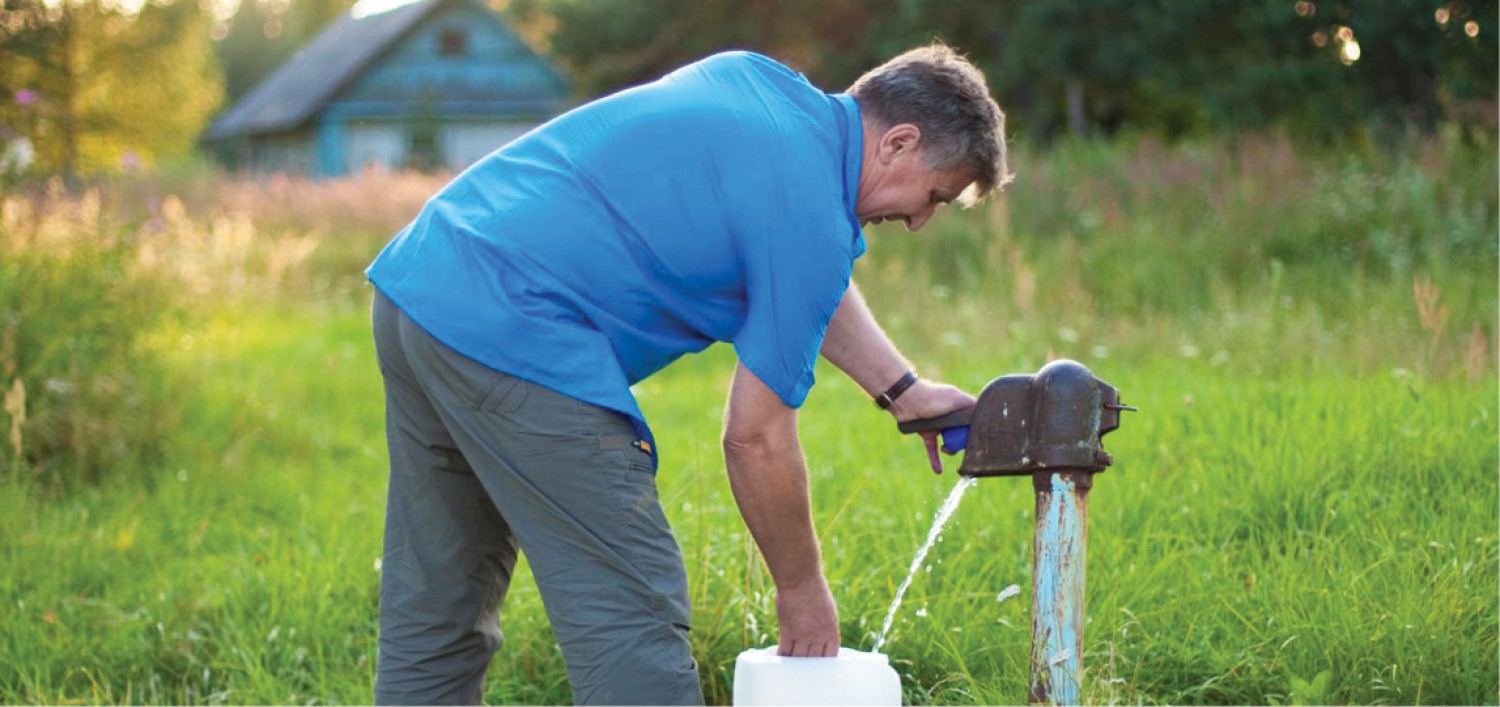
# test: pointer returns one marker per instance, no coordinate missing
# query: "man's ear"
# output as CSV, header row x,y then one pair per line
x,y
899,140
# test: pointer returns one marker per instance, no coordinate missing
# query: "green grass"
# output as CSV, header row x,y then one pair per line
x,y
1303,511
1254,532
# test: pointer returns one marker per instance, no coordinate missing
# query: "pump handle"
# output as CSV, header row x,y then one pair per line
x,y
957,418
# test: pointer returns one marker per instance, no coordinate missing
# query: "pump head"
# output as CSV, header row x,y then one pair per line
x,y
1023,424
1051,421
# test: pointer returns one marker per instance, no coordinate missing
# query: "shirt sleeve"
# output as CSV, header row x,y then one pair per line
x,y
794,280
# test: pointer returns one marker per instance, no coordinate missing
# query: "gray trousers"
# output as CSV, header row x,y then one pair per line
x,y
482,464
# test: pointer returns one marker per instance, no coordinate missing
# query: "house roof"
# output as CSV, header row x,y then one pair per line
x,y
298,89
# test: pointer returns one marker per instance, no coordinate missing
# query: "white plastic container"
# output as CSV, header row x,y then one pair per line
x,y
853,678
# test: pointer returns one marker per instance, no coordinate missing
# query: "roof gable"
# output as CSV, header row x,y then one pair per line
x,y
484,64
336,58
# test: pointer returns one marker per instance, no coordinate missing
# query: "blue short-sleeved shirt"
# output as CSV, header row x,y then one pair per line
x,y
715,204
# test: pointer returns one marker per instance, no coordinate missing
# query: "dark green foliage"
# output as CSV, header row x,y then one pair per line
x,y
95,88
611,44
1170,68
263,35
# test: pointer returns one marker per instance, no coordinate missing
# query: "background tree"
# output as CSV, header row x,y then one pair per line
x,y
104,83
1318,69
38,79
263,34
149,83
97,87
609,44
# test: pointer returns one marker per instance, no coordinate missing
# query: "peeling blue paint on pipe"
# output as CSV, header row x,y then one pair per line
x,y
1058,587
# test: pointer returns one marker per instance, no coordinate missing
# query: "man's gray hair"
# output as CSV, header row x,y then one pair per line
x,y
947,98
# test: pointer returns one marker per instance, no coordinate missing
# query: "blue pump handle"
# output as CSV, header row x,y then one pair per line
x,y
955,439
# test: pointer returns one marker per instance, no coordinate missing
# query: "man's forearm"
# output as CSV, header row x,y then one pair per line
x,y
769,479
856,344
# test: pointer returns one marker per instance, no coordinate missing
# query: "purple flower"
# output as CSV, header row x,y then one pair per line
x,y
26,96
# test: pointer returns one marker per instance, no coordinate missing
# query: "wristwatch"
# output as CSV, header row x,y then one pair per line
x,y
884,400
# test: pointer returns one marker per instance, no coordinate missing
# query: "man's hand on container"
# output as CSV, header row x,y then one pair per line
x,y
925,400
808,620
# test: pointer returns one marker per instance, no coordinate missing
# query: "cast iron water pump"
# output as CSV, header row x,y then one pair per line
x,y
1051,421
1046,426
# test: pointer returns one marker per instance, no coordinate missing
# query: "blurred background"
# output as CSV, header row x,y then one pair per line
x,y
90,87
1271,223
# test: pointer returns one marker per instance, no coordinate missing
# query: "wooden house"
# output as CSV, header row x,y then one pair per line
x,y
430,84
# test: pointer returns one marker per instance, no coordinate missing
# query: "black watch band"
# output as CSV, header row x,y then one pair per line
x,y
884,400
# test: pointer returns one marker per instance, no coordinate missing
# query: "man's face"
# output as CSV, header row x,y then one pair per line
x,y
899,186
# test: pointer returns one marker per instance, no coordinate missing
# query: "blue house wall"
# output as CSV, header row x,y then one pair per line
x,y
495,71
419,88
440,84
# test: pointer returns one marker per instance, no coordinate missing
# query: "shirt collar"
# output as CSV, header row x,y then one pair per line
x,y
854,151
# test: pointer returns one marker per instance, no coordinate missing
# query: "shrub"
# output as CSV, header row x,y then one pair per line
x,y
81,399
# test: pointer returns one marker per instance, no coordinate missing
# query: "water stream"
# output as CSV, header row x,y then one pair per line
x,y
943,513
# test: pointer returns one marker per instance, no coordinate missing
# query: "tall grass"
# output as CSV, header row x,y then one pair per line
x,y
1302,513
1238,253
79,399
84,280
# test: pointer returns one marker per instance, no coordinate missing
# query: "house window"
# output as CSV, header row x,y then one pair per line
x,y
453,42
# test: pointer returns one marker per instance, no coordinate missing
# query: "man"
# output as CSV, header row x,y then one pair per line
x,y
722,202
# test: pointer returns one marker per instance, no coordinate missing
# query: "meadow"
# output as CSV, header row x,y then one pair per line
x,y
1304,511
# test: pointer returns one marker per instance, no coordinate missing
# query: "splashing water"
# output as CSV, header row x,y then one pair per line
x,y
943,513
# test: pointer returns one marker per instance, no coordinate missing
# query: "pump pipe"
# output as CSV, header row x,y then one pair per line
x,y
1057,586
